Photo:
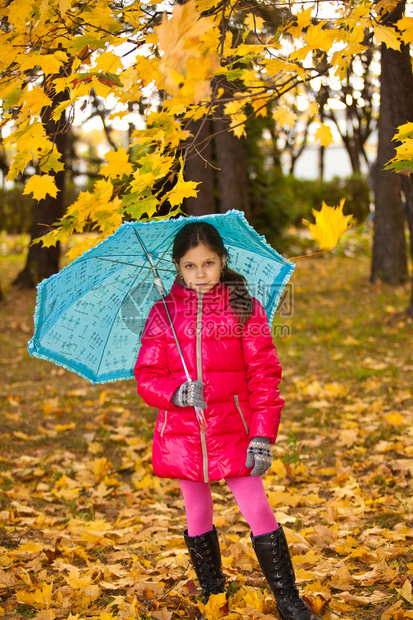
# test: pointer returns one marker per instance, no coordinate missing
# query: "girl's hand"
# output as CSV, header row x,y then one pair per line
x,y
190,394
259,455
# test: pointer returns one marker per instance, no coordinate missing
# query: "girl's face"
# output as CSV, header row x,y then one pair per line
x,y
200,268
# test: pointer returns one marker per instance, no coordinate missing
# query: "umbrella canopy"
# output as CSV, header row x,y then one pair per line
x,y
90,316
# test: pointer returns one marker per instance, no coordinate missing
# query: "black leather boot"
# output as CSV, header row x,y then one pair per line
x,y
275,561
205,555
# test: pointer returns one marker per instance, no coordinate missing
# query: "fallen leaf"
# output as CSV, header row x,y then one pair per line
x,y
406,591
215,608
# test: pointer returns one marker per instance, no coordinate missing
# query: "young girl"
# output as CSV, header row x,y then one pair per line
x,y
227,345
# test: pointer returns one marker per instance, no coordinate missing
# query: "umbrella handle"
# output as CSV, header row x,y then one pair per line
x,y
201,418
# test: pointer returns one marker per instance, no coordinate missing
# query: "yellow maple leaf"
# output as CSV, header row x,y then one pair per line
x,y
182,189
101,467
108,62
324,134
235,110
30,547
259,106
405,26
303,20
318,37
404,131
179,38
284,117
278,468
215,608
51,162
47,62
33,103
174,35
254,23
395,418
254,599
330,224
21,435
41,598
117,164
342,579
60,109
61,428
312,109
40,185
388,36
405,150
406,591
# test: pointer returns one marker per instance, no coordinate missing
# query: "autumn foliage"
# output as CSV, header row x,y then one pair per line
x,y
202,58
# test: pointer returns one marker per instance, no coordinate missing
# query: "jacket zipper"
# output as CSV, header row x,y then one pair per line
x,y
236,398
198,339
199,376
164,423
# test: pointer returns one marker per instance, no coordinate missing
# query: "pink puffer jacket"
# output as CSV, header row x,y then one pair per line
x,y
241,372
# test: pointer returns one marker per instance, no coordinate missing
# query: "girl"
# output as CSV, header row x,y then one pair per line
x,y
227,345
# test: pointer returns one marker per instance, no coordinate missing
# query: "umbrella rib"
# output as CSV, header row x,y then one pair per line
x,y
124,298
114,318
142,244
163,241
95,286
161,290
116,262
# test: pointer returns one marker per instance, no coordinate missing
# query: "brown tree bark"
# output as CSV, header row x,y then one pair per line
x,y
219,161
232,175
199,168
389,247
42,262
396,92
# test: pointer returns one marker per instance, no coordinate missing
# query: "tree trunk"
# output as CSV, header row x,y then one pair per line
x,y
231,160
221,166
42,262
407,187
389,246
198,167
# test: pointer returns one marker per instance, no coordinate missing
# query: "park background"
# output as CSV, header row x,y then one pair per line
x,y
86,530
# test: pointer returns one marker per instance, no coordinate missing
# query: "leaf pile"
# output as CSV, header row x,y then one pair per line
x,y
87,531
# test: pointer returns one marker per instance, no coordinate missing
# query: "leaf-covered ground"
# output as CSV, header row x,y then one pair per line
x,y
87,531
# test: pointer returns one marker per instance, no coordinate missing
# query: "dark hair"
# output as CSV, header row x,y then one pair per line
x,y
194,233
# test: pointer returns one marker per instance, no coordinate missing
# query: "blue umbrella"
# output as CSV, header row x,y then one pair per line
x,y
90,316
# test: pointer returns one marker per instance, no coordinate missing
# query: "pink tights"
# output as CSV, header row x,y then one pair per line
x,y
249,494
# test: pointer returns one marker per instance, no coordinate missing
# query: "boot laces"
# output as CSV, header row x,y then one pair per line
x,y
210,576
284,570
288,596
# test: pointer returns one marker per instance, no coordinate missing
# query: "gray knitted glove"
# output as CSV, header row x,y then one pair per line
x,y
259,455
189,394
